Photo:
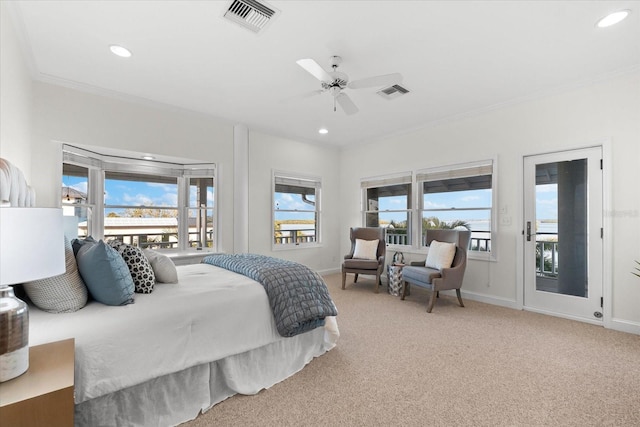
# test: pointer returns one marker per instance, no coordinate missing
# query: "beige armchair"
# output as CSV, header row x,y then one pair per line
x,y
358,266
439,280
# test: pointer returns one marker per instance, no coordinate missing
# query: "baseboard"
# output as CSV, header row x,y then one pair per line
x,y
564,316
625,326
488,299
329,271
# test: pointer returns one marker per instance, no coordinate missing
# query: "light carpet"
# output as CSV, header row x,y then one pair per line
x,y
481,365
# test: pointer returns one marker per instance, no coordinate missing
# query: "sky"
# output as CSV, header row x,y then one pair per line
x,y
135,193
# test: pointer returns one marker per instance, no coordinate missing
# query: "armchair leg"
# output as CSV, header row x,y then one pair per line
x,y
355,277
404,289
459,297
432,301
376,285
344,278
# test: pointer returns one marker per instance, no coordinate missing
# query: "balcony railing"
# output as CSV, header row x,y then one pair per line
x,y
158,240
295,236
547,251
399,237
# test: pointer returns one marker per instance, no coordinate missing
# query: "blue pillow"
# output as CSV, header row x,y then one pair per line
x,y
105,273
76,244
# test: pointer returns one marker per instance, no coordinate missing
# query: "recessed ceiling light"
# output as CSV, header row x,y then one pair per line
x,y
147,157
613,18
323,131
120,51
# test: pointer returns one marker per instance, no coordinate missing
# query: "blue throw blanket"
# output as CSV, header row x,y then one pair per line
x,y
298,296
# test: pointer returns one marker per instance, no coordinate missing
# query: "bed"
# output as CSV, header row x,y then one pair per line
x,y
179,350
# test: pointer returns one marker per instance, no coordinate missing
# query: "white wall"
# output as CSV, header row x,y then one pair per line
x,y
63,115
15,99
580,117
268,153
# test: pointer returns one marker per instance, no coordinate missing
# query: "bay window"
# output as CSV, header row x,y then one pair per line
x,y
149,204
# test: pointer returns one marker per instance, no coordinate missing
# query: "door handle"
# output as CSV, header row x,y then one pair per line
x,y
528,231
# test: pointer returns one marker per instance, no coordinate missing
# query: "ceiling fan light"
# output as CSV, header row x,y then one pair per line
x,y
323,131
613,18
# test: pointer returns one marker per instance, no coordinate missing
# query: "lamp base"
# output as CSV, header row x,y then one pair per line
x,y
14,335
14,364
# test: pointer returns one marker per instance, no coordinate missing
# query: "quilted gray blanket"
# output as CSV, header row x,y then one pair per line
x,y
298,296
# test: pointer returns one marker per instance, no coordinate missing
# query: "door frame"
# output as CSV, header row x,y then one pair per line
x,y
607,224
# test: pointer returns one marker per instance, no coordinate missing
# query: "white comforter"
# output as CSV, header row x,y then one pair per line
x,y
210,314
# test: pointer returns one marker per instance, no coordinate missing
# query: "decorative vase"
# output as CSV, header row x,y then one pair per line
x,y
14,335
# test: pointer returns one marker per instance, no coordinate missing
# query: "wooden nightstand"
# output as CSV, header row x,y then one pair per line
x,y
42,396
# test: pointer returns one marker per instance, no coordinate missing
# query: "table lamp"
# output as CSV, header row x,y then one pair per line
x,y
31,248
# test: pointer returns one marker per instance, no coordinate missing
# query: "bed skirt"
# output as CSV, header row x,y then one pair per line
x,y
180,397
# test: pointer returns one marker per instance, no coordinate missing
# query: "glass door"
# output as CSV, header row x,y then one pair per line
x,y
562,236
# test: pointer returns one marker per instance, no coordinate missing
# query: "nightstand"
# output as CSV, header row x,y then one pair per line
x,y
42,396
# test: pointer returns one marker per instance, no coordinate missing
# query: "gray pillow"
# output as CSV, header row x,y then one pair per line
x,y
105,273
76,244
163,268
60,294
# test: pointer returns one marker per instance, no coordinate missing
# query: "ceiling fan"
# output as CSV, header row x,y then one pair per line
x,y
336,81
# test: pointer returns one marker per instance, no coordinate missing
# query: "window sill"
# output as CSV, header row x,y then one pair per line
x,y
409,250
294,247
187,257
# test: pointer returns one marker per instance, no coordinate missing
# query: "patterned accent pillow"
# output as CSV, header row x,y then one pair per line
x,y
60,294
139,266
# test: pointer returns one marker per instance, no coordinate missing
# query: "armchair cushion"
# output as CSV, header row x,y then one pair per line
x,y
440,255
366,249
420,275
361,264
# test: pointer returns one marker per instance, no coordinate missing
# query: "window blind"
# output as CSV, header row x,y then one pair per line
x,y
454,172
404,178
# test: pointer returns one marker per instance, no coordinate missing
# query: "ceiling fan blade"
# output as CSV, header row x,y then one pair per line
x,y
384,80
313,68
346,103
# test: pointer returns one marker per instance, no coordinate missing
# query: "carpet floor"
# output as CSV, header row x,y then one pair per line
x,y
481,365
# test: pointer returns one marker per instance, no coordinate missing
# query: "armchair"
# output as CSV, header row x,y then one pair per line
x,y
446,278
372,266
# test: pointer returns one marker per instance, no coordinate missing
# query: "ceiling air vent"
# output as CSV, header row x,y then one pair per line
x,y
392,92
250,14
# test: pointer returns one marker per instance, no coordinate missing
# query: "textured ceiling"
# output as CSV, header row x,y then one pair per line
x,y
456,57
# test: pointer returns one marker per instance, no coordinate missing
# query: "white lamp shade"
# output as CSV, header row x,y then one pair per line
x,y
31,244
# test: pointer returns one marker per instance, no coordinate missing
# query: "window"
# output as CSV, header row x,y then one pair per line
x,y
201,197
387,203
75,204
296,210
156,205
458,196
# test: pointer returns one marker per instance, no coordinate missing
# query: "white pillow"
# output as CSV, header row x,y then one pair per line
x,y
440,255
366,249
163,268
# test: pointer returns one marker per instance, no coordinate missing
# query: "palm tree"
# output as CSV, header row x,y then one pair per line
x,y
435,222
